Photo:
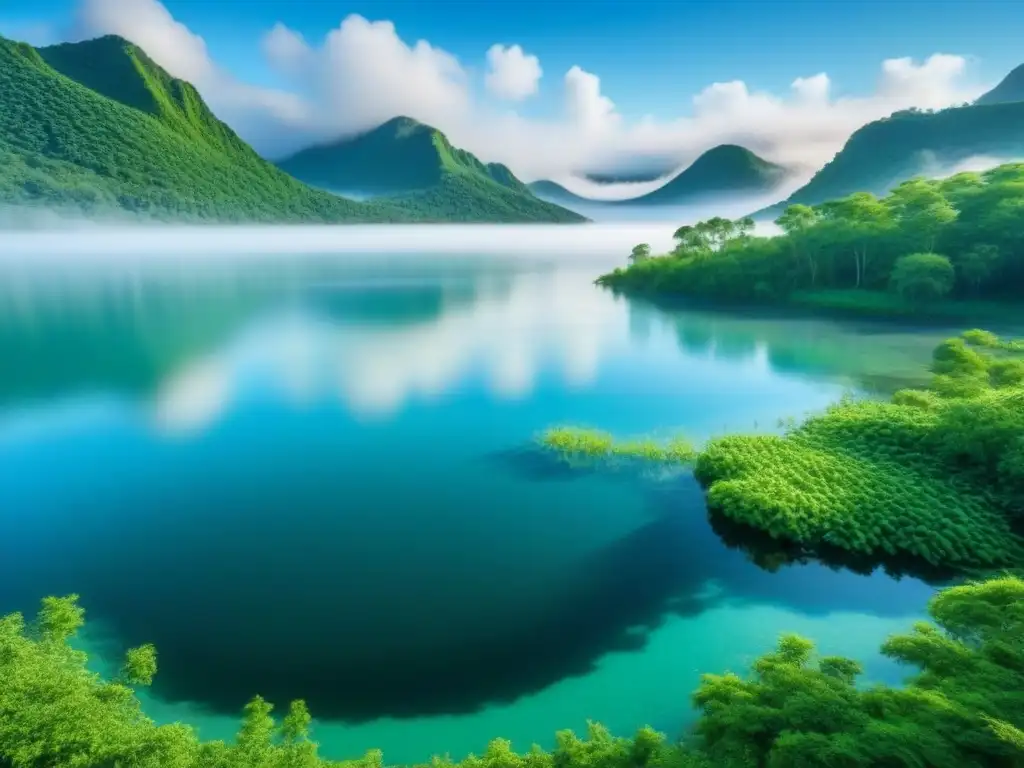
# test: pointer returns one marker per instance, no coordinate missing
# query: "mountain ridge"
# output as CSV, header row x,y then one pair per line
x,y
98,127
723,170
883,153
404,159
1009,89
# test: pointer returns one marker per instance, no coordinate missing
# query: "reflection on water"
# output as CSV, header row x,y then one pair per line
x,y
312,477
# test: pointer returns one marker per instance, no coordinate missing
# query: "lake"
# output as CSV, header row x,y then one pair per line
x,y
304,465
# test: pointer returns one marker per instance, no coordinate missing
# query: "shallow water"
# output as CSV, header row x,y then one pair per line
x,y
313,476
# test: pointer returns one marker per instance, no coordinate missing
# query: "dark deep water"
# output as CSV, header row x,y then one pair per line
x,y
314,478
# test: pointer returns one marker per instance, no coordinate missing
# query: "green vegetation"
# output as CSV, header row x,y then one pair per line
x,y
886,152
964,707
580,445
928,245
416,166
935,475
98,128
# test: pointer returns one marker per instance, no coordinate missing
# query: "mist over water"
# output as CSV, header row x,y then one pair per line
x,y
521,240
300,461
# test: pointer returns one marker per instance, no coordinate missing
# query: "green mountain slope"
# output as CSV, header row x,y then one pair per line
x,y
415,165
723,170
886,152
97,126
1011,88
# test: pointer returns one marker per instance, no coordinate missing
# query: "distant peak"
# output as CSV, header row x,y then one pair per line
x,y
1009,89
403,126
104,41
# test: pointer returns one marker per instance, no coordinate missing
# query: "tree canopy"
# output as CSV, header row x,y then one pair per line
x,y
860,242
963,706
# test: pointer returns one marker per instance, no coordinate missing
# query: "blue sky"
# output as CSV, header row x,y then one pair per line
x,y
651,55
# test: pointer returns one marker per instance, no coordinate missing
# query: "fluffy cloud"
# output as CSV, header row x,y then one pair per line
x,y
511,73
363,73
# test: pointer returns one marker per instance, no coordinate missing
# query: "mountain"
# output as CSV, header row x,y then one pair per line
x,y
723,170
411,163
1011,88
554,192
98,127
886,152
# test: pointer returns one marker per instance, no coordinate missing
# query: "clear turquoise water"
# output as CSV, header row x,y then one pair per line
x,y
316,478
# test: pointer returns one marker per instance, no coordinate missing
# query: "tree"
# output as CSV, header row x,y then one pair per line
x,y
922,277
60,618
859,220
139,665
640,253
922,210
795,221
976,265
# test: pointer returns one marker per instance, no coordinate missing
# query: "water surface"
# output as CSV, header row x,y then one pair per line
x,y
313,475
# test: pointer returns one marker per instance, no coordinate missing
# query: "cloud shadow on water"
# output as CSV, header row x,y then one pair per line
x,y
349,672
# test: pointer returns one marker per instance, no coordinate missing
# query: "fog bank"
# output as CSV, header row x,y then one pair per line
x,y
542,240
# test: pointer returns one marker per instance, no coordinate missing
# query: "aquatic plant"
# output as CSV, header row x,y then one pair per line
x,y
582,445
964,707
936,474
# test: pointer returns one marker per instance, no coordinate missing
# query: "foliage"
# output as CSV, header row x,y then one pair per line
x,y
577,445
963,707
922,276
927,239
97,127
935,474
639,253
898,147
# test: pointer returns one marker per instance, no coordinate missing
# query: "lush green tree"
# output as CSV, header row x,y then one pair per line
x,y
975,265
639,253
859,220
139,665
922,276
796,221
854,242
923,211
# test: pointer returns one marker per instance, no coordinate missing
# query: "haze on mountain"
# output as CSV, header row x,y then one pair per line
x,y
98,127
725,171
884,153
407,161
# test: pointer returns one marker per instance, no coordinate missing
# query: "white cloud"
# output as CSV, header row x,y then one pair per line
x,y
286,49
586,106
813,89
363,73
512,74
